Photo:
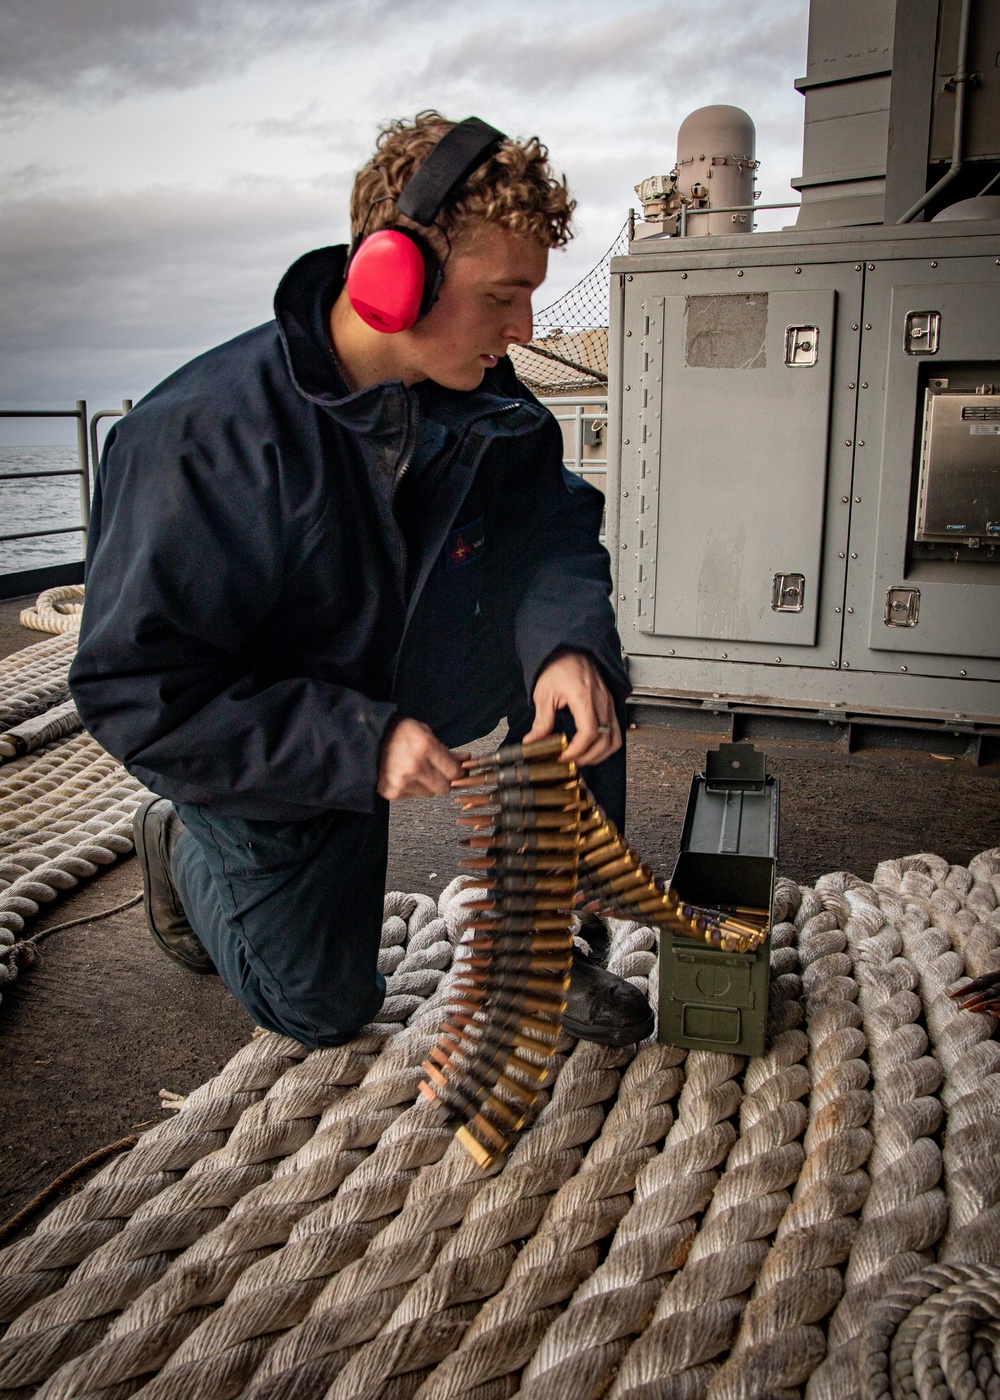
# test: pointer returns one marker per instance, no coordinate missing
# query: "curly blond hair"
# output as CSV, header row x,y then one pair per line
x,y
515,188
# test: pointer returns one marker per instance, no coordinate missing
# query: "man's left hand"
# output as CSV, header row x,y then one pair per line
x,y
574,682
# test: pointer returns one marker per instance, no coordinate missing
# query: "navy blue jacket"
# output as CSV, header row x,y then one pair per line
x,y
253,616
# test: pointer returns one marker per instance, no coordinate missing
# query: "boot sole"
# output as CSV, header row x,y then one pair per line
x,y
141,850
615,1036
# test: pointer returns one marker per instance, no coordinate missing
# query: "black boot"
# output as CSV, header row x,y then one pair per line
x,y
157,828
602,1007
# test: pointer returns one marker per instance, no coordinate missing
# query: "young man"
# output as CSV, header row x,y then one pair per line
x,y
320,555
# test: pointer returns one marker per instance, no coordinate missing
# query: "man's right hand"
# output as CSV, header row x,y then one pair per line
x,y
413,763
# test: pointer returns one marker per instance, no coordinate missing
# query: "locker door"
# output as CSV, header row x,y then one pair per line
x,y
906,613
736,457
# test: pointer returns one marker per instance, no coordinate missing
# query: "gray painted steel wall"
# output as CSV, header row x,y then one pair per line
x,y
728,466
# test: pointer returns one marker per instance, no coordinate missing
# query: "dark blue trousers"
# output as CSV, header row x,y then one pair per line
x,y
291,912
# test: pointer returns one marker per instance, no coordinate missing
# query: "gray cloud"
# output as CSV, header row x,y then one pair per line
x,y
655,54
103,51
102,296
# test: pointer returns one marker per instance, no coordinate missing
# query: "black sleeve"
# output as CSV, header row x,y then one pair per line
x,y
186,558
566,601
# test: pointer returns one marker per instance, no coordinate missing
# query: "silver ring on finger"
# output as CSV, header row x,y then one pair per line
x,y
604,729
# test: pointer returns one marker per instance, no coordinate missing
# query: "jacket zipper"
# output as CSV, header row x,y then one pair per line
x,y
506,408
409,447
404,466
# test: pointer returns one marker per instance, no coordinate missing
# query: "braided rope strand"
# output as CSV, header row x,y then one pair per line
x,y
265,1201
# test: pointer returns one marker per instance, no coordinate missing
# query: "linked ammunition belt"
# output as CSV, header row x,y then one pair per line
x,y
545,851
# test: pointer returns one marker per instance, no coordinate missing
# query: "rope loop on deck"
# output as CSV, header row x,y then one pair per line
x,y
56,610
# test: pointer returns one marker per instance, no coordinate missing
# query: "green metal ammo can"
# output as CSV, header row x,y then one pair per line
x,y
710,999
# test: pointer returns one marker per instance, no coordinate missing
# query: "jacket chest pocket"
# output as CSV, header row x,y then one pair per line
x,y
464,548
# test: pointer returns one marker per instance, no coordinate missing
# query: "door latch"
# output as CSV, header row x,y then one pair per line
x,y
921,332
788,592
801,345
902,607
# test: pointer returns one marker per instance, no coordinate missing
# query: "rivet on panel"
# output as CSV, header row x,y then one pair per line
x,y
857,500
855,326
628,333
624,546
904,668
854,556
850,610
671,652
740,272
836,610
626,441
683,276
847,442
725,655
798,269
871,267
850,386
933,264
847,665
846,500
861,442
864,386
840,555
868,325
963,673
629,277
777,658
857,267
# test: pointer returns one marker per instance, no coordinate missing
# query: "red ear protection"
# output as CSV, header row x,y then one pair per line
x,y
387,279
393,275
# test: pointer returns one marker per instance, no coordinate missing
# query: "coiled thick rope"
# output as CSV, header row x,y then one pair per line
x,y
822,1221
800,1280
65,811
31,734
56,610
34,679
186,1211
781,1234
65,805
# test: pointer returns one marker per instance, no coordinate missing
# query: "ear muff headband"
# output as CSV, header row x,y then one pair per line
x,y
393,275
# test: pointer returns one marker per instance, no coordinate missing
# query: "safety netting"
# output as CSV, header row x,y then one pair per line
x,y
569,352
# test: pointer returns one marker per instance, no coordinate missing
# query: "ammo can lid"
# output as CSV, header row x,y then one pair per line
x,y
733,806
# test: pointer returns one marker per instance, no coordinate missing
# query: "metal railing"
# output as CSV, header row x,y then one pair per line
x,y
688,211
86,451
585,448
587,417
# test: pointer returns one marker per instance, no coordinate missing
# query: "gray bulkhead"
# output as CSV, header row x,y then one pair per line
x,y
804,474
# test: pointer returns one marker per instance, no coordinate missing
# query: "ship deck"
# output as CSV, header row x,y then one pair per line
x,y
90,1035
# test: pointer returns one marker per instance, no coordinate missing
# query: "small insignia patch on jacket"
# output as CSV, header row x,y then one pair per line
x,y
465,545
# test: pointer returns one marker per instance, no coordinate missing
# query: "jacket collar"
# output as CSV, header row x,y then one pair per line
x,y
302,306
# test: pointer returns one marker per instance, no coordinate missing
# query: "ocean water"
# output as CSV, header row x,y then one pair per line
x,y
43,504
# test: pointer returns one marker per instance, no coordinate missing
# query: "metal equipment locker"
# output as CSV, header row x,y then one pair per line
x,y
908,614
718,365
768,396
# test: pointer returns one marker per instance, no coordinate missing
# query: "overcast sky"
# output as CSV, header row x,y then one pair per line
x,y
163,161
